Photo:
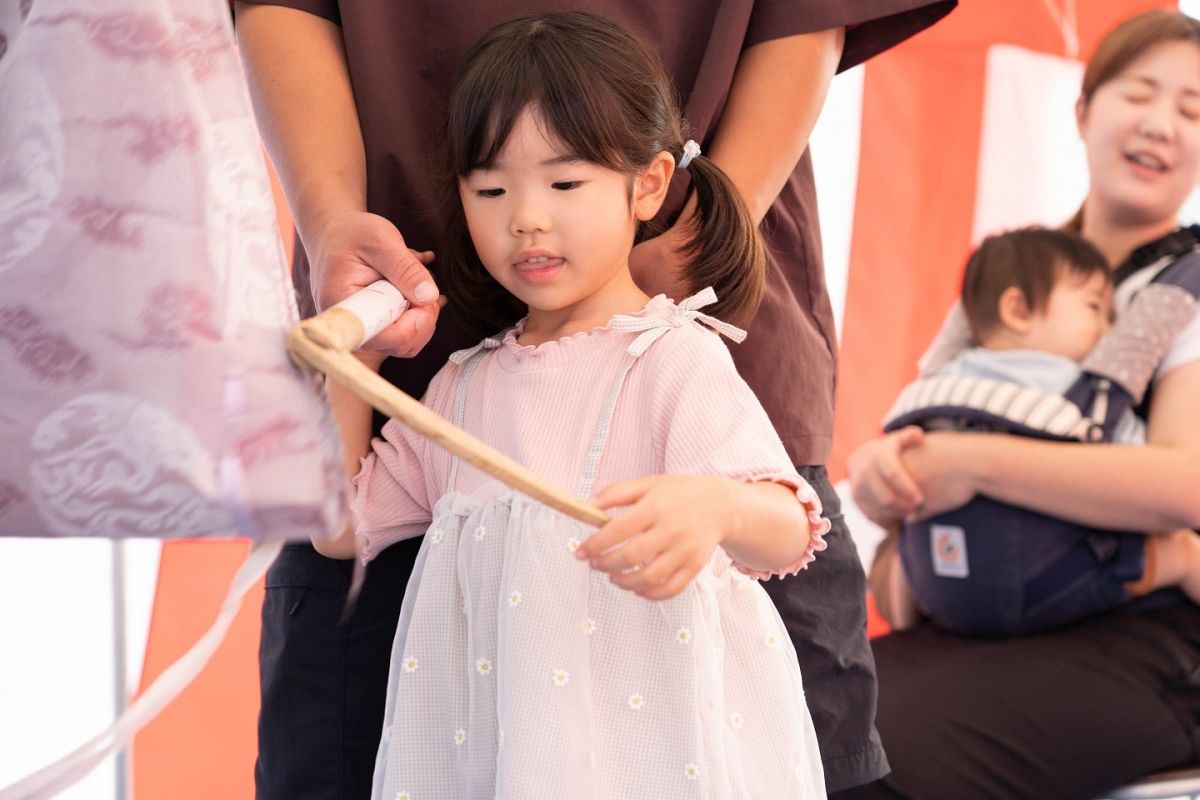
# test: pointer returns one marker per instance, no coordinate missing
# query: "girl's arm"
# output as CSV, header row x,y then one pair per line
x,y
1155,487
353,418
674,522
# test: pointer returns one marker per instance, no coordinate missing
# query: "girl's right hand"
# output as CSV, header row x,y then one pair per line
x,y
355,249
882,486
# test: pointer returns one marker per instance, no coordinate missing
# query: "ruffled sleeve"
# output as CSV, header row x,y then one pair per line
x,y
818,526
392,489
708,422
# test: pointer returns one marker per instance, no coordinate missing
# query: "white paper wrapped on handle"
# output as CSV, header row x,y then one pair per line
x,y
350,324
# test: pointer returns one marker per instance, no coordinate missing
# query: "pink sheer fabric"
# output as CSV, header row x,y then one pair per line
x,y
144,296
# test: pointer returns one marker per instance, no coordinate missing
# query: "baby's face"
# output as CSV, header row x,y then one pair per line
x,y
1077,314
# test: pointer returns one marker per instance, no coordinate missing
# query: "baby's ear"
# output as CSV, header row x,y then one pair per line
x,y
650,187
1014,311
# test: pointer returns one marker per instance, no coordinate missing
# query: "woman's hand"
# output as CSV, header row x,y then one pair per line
x,y
354,250
667,535
883,487
943,466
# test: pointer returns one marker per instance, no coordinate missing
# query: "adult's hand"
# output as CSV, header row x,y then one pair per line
x,y
882,485
657,264
355,249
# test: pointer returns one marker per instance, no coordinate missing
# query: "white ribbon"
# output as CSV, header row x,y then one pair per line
x,y
687,311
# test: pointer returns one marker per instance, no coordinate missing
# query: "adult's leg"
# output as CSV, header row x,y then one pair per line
x,y
324,682
824,608
1066,714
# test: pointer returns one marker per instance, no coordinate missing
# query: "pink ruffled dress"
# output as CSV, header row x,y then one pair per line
x,y
518,671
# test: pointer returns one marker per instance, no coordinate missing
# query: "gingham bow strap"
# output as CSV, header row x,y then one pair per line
x,y
461,357
686,311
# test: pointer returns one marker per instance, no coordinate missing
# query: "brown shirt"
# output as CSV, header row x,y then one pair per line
x,y
402,57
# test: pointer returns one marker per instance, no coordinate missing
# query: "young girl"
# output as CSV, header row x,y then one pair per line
x,y
531,658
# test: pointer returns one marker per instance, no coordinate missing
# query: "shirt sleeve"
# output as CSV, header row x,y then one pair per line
x,y
952,340
872,26
392,498
1185,349
328,9
710,423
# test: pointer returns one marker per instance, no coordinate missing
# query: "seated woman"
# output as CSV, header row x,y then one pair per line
x,y
1044,361
1101,702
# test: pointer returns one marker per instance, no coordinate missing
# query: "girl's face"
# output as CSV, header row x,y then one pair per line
x,y
1141,131
555,230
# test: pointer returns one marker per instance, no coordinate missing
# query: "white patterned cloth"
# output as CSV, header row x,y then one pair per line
x,y
518,671
145,298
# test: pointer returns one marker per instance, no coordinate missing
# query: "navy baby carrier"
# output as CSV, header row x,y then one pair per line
x,y
992,569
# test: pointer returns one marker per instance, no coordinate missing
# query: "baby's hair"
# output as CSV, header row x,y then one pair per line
x,y
608,100
1031,259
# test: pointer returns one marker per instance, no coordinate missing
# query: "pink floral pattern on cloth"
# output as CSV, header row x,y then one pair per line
x,y
147,390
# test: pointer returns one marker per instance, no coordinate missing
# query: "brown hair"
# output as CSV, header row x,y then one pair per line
x,y
1031,259
1123,45
609,101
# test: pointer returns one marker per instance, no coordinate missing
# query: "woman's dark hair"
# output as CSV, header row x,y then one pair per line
x,y
609,101
1031,259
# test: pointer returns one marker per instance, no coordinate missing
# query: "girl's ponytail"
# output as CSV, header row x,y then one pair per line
x,y
724,250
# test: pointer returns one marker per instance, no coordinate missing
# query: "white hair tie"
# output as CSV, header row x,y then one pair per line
x,y
690,151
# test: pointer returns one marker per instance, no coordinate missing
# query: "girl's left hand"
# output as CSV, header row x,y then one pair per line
x,y
666,536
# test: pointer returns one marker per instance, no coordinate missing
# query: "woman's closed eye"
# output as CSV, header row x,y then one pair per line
x,y
566,186
491,192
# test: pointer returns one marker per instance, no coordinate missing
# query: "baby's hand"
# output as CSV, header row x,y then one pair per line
x,y
667,535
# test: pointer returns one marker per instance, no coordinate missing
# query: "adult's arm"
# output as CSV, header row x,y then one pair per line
x,y
299,82
757,150
790,76
1128,487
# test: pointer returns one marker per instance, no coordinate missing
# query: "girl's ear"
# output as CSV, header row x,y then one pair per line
x,y
1013,311
650,187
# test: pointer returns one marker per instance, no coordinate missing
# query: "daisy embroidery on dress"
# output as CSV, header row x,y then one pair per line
x,y
480,532
561,677
772,640
573,543
436,535
410,664
636,701
692,772
460,736
735,719
403,796
514,598
483,666
589,626
683,636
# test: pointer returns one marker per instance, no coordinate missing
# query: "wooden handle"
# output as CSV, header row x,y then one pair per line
x,y
340,365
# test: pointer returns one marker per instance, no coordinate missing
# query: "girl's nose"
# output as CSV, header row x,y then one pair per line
x,y
529,217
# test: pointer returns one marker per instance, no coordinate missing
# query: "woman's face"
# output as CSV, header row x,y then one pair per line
x,y
1141,131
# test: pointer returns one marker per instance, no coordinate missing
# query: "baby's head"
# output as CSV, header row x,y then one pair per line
x,y
596,98
1038,289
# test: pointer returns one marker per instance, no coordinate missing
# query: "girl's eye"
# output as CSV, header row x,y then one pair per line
x,y
490,192
1138,99
566,186
1191,113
